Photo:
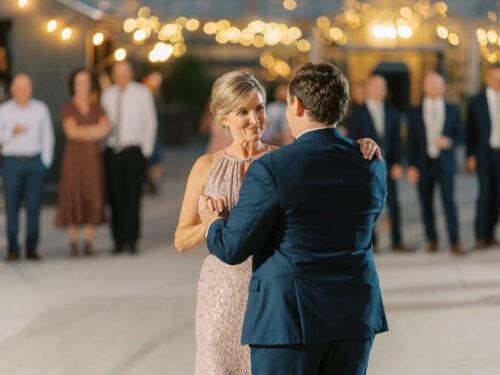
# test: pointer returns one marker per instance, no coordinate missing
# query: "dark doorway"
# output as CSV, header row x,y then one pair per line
x,y
397,77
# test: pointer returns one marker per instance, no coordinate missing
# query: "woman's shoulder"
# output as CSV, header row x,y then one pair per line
x,y
68,106
204,163
68,109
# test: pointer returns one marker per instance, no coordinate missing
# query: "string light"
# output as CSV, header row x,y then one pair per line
x,y
120,54
97,39
51,26
66,33
290,4
22,3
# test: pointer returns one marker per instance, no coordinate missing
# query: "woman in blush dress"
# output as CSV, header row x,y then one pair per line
x,y
81,189
238,106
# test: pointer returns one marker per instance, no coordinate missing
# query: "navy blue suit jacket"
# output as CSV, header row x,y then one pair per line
x,y
478,129
306,213
417,137
361,126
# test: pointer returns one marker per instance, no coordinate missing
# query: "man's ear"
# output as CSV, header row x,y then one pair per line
x,y
298,107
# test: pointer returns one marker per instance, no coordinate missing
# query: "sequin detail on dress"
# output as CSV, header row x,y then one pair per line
x,y
223,289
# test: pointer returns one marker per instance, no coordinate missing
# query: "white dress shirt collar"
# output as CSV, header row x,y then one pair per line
x,y
312,130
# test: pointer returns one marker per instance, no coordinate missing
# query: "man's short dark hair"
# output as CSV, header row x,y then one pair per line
x,y
323,90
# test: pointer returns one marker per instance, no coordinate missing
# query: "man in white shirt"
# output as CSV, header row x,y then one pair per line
x,y
435,129
131,110
27,139
483,155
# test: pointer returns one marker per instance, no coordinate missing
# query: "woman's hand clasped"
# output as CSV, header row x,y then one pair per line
x,y
369,148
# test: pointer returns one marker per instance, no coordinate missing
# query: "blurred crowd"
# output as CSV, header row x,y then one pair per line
x,y
112,146
434,131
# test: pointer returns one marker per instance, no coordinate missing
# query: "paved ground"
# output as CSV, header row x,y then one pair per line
x,y
134,314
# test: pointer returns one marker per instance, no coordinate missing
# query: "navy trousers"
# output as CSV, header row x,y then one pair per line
x,y
23,179
488,202
436,173
345,357
125,175
394,215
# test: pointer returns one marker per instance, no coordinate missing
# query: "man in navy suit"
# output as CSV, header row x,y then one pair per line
x,y
435,129
483,155
379,121
306,214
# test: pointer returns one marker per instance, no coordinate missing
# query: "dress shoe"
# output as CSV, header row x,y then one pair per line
x,y
457,249
400,248
12,257
493,242
117,250
481,244
33,255
88,250
132,249
432,247
75,251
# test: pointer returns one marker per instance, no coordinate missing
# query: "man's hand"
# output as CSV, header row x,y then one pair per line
x,y
443,142
412,175
18,129
471,164
207,210
396,171
368,148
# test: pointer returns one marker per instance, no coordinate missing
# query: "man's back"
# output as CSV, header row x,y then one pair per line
x,y
315,280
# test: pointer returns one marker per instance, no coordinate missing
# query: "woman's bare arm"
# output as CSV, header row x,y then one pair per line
x,y
190,231
93,132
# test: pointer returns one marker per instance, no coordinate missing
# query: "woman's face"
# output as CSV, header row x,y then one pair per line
x,y
247,124
82,84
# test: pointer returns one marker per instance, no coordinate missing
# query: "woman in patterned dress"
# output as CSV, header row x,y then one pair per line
x,y
81,189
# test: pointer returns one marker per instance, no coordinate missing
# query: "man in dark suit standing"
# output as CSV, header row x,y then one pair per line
x,y
435,129
379,121
483,155
306,214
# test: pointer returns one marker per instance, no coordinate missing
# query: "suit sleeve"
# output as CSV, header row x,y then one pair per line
x,y
354,131
458,126
251,222
471,136
412,140
396,139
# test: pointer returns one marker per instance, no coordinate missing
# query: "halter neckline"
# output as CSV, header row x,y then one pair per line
x,y
244,160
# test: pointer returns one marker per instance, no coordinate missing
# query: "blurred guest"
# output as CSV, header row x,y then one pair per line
x,y
483,155
277,131
81,189
219,138
379,121
435,129
4,75
356,99
153,82
27,140
131,111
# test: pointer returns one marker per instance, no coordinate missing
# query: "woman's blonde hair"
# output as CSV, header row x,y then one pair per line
x,y
231,92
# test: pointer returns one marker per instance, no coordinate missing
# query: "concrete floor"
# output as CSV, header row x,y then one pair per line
x,y
134,314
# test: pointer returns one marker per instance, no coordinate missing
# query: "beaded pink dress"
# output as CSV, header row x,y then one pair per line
x,y
223,289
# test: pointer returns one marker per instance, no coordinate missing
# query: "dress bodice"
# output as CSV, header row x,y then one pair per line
x,y
226,177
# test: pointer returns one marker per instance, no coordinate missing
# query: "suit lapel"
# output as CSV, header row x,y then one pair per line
x,y
486,113
446,126
370,130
